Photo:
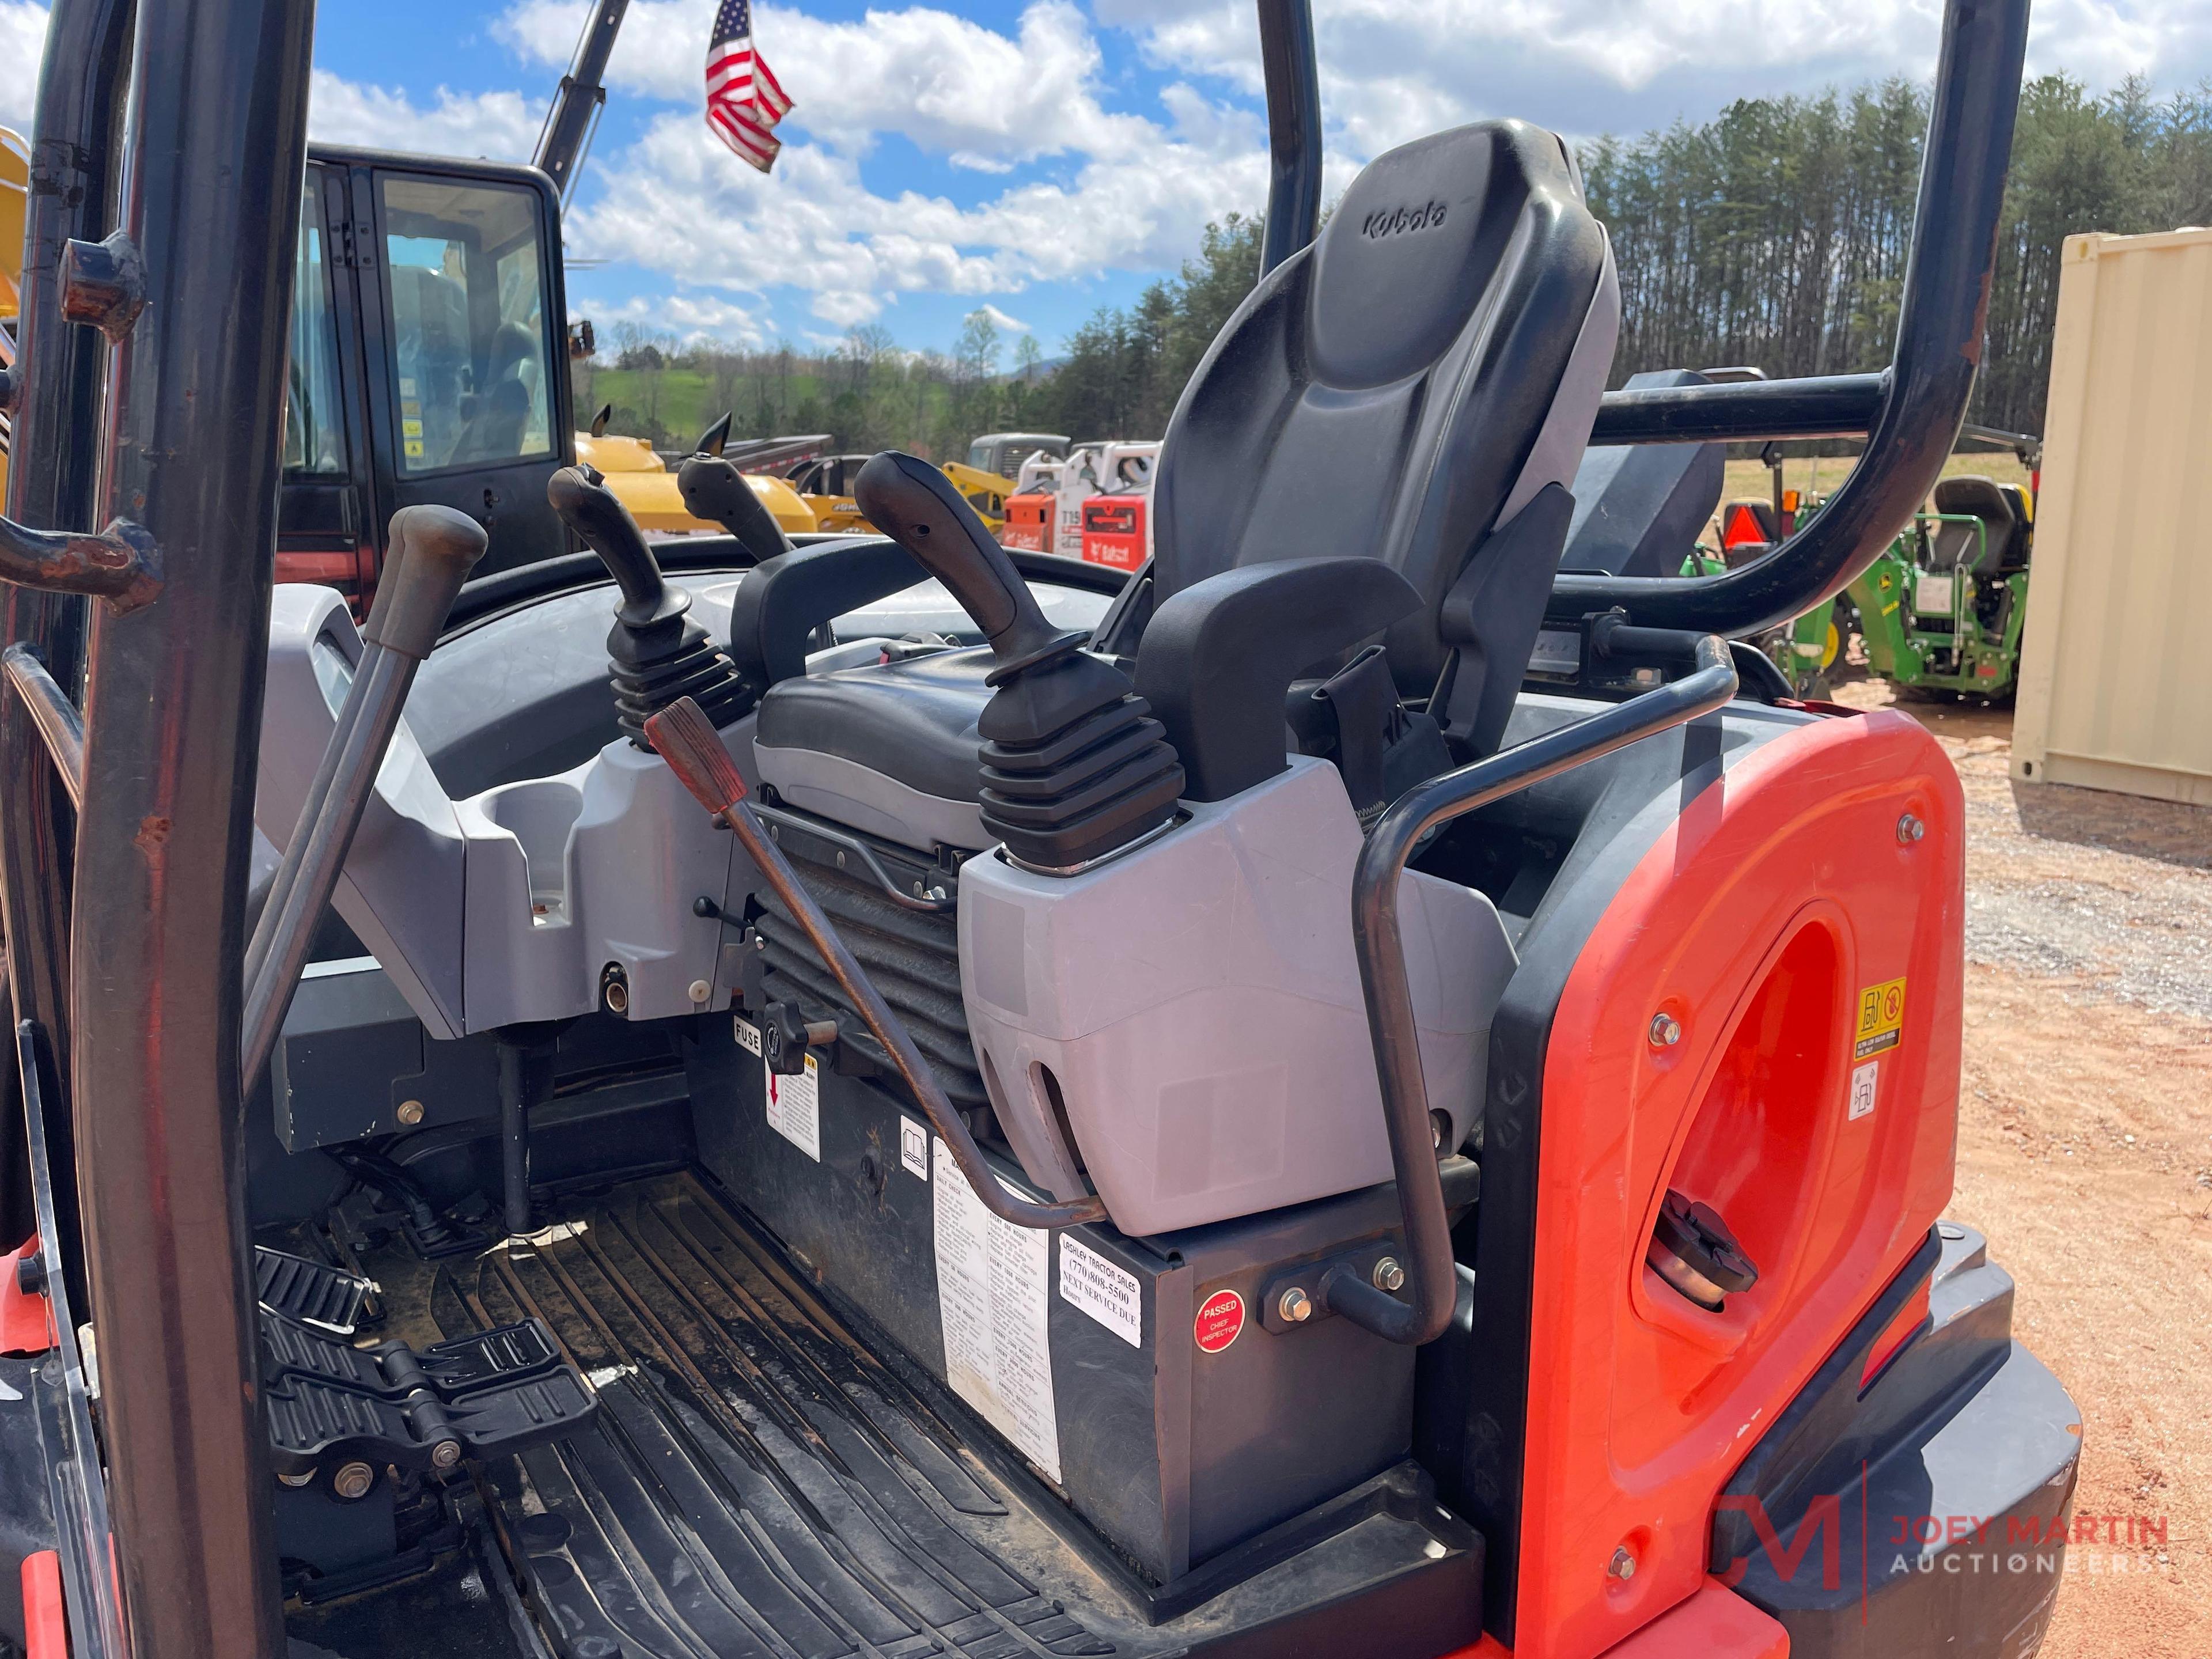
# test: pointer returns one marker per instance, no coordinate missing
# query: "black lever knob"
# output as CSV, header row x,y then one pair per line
x,y
579,495
656,653
714,490
916,506
711,442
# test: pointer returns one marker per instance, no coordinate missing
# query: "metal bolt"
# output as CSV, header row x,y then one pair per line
x,y
295,1479
1910,829
1295,1306
409,1112
446,1454
353,1480
700,990
1666,1030
1623,1565
841,858
1388,1275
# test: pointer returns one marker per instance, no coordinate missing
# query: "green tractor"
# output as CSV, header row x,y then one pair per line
x,y
1942,608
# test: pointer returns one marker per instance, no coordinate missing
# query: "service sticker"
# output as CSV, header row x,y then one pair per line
x,y
1881,1017
1866,1084
1220,1317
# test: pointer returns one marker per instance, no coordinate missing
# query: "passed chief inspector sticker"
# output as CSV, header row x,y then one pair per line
x,y
1881,1017
1220,1317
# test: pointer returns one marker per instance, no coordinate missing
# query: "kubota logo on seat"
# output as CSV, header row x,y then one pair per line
x,y
1398,221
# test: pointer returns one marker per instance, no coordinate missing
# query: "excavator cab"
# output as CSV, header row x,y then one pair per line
x,y
1357,1089
427,361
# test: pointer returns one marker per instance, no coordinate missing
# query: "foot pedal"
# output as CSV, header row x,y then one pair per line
x,y
484,1395
310,1292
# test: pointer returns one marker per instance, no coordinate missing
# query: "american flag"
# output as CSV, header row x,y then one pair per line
x,y
744,99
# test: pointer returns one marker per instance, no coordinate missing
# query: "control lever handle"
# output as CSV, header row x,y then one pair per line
x,y
433,551
714,490
432,548
916,506
687,740
579,495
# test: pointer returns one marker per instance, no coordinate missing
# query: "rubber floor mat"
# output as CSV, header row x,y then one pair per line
x,y
757,1482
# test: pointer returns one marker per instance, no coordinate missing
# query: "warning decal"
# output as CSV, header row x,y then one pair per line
x,y
794,1104
993,1302
1220,1317
1881,1016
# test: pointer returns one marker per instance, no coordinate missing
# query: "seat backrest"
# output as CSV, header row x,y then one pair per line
x,y
1956,546
1640,508
1404,384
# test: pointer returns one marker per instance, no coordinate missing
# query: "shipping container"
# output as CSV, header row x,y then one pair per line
x,y
2116,676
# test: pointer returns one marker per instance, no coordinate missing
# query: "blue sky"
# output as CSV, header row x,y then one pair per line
x,y
1044,157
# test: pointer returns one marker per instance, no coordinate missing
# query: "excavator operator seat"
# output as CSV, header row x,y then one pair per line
x,y
1405,388
1402,390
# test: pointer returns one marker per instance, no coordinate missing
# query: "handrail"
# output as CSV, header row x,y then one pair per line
x,y
1294,136
1381,946
52,714
1924,392
1818,406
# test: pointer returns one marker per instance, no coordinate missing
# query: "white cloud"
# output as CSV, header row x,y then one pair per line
x,y
688,316
954,88
1003,323
679,204
1392,69
22,42
499,125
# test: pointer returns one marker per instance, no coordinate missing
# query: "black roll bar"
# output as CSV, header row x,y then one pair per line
x,y
214,153
1294,137
1912,411
1380,943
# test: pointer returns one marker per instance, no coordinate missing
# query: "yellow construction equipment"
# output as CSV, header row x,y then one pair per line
x,y
645,486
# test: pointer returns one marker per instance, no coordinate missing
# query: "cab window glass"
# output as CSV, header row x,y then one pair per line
x,y
313,438
467,286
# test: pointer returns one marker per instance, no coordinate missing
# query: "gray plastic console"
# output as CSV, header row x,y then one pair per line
x,y
508,906
1190,1012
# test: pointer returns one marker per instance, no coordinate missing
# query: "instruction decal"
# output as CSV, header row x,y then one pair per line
x,y
1220,1318
1108,1294
914,1148
1881,1019
993,1300
1865,1079
794,1103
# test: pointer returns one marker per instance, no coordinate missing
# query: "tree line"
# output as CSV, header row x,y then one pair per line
x,y
1774,234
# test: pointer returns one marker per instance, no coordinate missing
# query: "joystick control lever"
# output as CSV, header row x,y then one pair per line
x,y
713,488
1074,766
916,506
656,651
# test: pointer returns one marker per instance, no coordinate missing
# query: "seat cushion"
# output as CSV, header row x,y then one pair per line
x,y
890,749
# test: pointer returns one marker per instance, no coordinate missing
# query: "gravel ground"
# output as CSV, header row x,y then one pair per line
x,y
2085,1153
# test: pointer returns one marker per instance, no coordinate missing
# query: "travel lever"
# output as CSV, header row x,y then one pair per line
x,y
432,548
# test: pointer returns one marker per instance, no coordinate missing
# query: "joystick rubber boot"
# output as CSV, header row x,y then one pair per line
x,y
1074,766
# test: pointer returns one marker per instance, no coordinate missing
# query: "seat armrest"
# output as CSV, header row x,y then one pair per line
x,y
1218,657
780,603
